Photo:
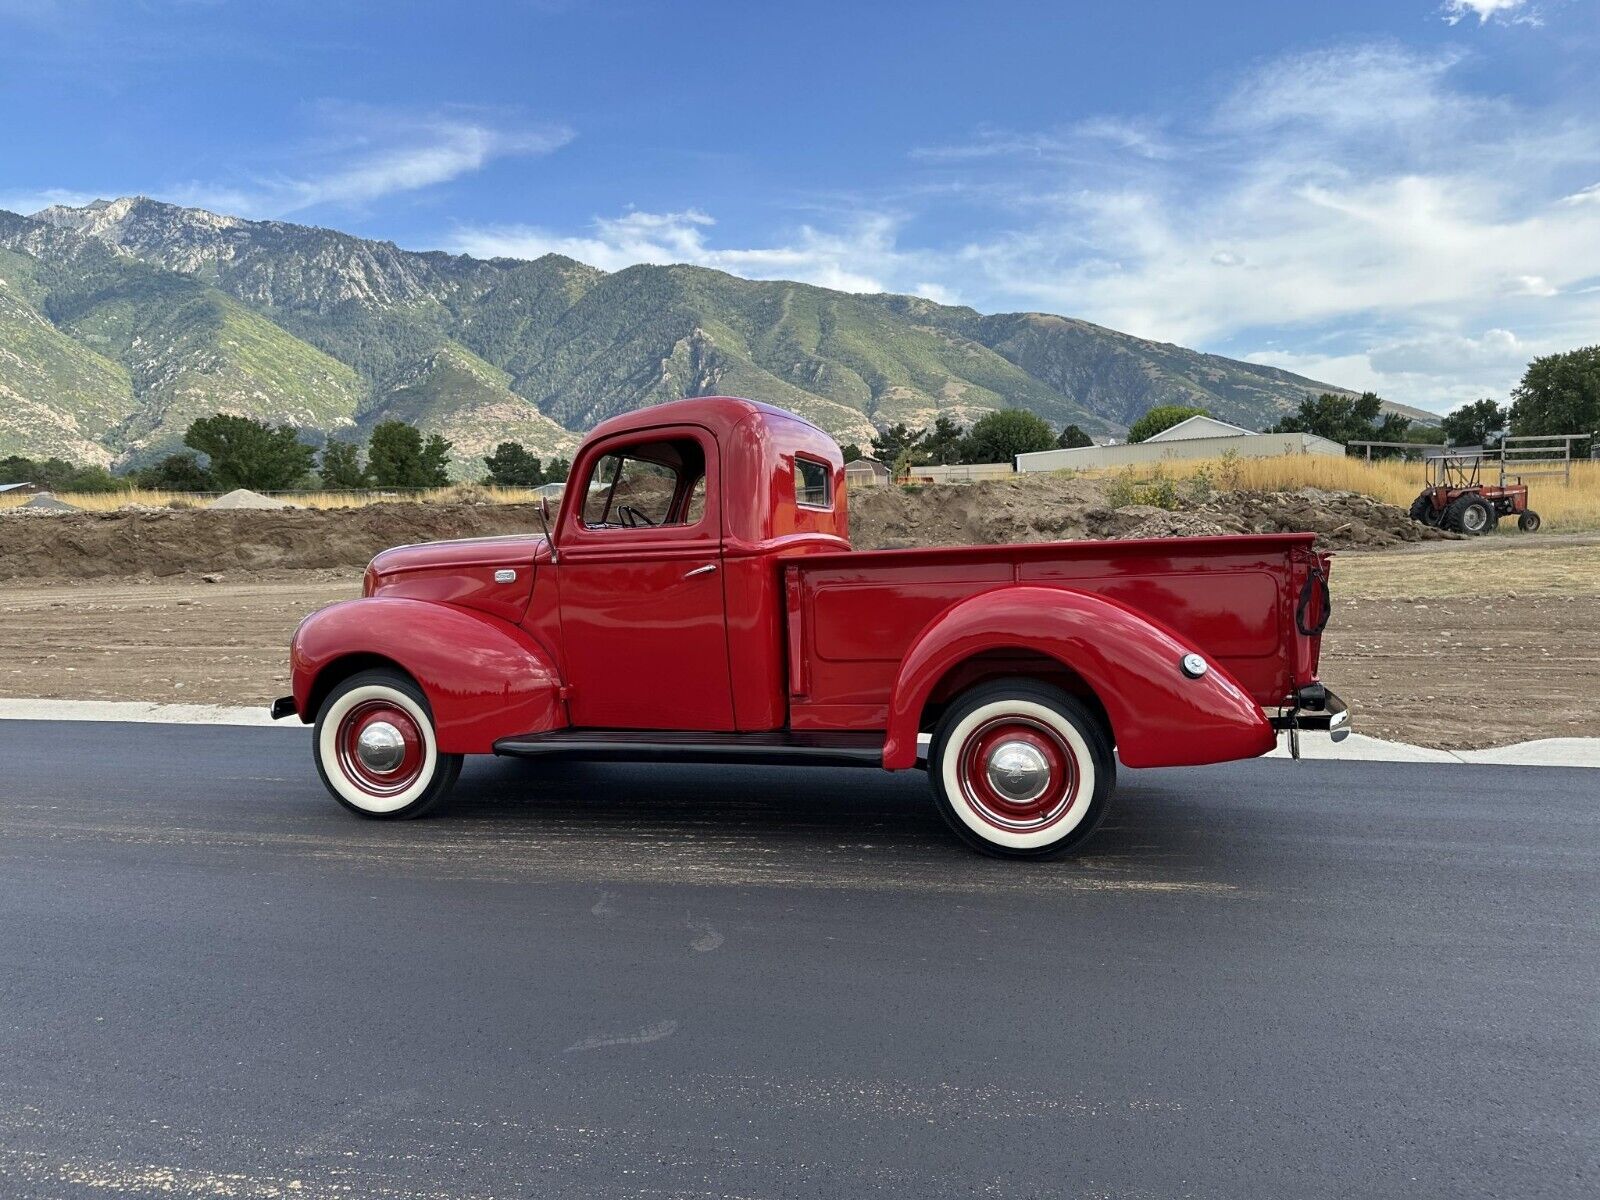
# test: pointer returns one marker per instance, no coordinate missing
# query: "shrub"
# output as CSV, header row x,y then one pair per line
x,y
1159,491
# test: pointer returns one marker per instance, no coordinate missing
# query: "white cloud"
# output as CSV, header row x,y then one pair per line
x,y
1437,371
1527,285
1454,11
936,292
27,202
1079,141
838,260
359,154
366,153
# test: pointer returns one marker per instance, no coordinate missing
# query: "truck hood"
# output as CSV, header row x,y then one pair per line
x,y
462,553
493,575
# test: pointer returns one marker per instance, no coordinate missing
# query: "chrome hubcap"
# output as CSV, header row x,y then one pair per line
x,y
381,747
1018,771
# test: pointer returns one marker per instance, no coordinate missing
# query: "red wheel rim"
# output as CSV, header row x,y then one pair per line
x,y
381,748
1018,774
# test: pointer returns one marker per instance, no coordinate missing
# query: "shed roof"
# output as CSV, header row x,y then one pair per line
x,y
1198,426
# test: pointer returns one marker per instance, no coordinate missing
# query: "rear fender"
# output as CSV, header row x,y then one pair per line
x,y
484,679
1159,716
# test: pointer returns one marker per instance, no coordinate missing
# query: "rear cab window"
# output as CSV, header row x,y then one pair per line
x,y
813,483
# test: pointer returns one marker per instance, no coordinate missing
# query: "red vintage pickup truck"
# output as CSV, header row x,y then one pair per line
x,y
698,600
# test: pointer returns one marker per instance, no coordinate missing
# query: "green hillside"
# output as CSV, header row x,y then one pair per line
x,y
454,393
57,396
177,349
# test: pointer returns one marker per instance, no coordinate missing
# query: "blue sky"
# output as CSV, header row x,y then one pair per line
x,y
1401,195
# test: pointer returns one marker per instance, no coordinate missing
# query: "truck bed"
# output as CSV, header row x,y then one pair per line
x,y
850,617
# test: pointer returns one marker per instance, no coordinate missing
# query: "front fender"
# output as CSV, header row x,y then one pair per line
x,y
484,678
1159,716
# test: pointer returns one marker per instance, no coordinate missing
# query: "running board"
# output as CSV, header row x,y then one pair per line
x,y
782,747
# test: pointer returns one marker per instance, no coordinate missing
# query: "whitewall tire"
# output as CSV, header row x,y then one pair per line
x,y
376,749
1021,769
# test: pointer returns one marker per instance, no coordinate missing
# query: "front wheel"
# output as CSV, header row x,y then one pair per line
x,y
1528,522
376,749
1021,769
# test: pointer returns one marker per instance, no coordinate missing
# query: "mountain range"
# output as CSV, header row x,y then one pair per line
x,y
121,321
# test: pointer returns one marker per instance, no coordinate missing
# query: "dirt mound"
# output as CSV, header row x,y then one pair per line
x,y
1341,520
161,543
1046,508
1053,508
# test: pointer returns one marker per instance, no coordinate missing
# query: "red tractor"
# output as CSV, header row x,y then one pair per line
x,y
1456,499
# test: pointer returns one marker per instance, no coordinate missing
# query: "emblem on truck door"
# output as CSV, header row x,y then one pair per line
x,y
505,576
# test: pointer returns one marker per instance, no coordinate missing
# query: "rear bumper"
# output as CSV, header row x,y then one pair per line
x,y
1318,710
282,707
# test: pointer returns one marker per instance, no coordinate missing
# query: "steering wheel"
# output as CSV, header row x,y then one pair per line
x,y
632,517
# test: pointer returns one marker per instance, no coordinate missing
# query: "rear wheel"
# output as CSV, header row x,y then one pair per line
x,y
1529,521
1021,769
376,748
1422,509
1469,514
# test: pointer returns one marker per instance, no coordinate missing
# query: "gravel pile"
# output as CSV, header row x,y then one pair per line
x,y
245,498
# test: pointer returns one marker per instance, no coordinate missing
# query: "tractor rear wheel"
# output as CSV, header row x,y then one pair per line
x,y
1422,509
1469,514
1529,521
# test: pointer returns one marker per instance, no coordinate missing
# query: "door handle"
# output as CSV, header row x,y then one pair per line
x,y
705,570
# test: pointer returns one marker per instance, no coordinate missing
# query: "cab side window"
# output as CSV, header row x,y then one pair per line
x,y
646,486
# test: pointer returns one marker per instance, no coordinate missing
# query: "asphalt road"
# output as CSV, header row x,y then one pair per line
x,y
1268,979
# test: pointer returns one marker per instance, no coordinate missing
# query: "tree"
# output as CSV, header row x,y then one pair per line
x,y
245,453
1002,435
1162,416
397,456
341,466
557,470
1072,438
57,475
1345,419
899,441
942,444
512,466
851,451
1475,424
176,473
1559,393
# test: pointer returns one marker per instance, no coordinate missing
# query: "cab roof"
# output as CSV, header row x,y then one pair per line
x,y
720,414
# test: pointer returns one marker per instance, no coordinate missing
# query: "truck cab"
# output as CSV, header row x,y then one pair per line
x,y
695,598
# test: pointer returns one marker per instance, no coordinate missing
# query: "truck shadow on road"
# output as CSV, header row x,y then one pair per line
x,y
785,817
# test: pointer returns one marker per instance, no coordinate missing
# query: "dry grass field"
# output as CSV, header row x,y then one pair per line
x,y
145,498
1566,507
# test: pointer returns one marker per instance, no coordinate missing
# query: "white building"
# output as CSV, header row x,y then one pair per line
x,y
1196,437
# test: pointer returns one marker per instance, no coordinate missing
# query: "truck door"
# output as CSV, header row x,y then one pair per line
x,y
643,625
